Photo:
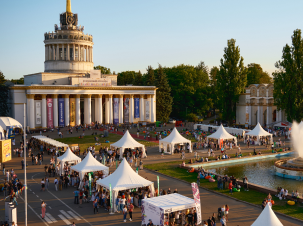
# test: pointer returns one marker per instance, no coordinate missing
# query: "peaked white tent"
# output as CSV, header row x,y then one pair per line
x,y
68,156
258,132
8,121
221,134
124,177
173,138
267,218
127,141
89,164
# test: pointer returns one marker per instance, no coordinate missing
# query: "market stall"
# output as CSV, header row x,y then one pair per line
x,y
257,132
2,133
222,135
68,156
267,218
168,143
50,141
10,125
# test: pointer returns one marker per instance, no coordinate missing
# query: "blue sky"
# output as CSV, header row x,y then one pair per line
x,y
132,34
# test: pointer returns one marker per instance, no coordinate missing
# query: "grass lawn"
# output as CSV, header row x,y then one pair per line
x,y
251,196
89,140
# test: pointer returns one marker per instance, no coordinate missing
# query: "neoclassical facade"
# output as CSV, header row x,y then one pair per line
x,y
69,92
257,105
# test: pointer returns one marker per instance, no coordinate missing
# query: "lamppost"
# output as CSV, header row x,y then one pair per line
x,y
25,179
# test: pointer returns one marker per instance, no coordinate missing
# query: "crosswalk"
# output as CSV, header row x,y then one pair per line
x,y
67,217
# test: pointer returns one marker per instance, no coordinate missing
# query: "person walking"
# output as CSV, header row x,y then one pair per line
x,y
230,187
43,209
223,221
124,213
76,201
95,205
130,211
56,183
42,185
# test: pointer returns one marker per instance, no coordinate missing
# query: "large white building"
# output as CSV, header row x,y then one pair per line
x,y
70,92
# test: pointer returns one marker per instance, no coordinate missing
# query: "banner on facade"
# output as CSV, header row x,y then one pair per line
x,y
50,115
101,82
5,150
196,194
147,109
137,107
116,111
72,111
126,110
61,112
38,112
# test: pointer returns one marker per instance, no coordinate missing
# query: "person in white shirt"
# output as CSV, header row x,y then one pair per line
x,y
56,183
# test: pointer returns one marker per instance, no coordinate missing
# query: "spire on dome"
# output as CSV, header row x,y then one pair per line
x,y
68,6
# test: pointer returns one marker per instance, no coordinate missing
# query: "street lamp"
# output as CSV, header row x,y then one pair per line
x,y
25,180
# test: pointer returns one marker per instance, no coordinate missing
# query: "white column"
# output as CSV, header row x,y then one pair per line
x,y
63,58
32,113
86,53
49,52
55,108
57,52
44,115
131,109
68,54
110,109
249,115
259,115
106,111
78,113
87,109
53,52
153,108
74,51
100,119
92,55
78,52
142,108
46,53
66,109
97,108
281,115
267,115
121,110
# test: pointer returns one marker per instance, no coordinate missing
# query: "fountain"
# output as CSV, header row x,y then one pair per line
x,y
293,168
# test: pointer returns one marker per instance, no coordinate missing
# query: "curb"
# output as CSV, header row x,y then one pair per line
x,y
218,193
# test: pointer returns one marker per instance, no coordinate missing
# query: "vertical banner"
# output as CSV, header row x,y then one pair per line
x,y
137,107
38,112
90,183
126,110
61,112
158,180
110,196
5,150
221,143
196,195
72,111
147,109
116,111
50,119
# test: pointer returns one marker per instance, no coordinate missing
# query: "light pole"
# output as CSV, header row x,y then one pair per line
x,y
25,180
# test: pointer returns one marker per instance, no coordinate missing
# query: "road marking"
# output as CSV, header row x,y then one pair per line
x,y
74,215
65,220
37,196
47,219
50,207
51,217
33,192
65,214
41,200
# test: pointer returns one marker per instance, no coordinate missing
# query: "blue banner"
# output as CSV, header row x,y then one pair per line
x,y
116,111
137,107
61,112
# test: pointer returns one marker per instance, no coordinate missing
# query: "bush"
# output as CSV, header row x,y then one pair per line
x,y
191,117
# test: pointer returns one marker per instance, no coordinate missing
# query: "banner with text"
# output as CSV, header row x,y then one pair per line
x,y
126,110
72,111
196,194
116,111
61,112
137,107
147,109
50,114
38,104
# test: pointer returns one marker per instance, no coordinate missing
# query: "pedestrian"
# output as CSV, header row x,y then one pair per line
x,y
46,182
73,224
124,213
42,185
43,209
130,211
7,175
230,187
223,221
56,183
226,212
76,201
95,205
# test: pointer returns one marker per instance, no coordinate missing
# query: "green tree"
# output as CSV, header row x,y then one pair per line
x,y
19,81
2,78
126,78
213,86
256,75
138,79
150,77
288,79
4,96
104,70
164,100
231,80
191,117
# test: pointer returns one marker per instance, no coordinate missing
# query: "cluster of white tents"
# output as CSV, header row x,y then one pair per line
x,y
50,141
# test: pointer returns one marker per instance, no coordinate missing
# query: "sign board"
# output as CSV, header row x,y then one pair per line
x,y
50,115
95,74
99,82
72,111
196,194
5,150
61,112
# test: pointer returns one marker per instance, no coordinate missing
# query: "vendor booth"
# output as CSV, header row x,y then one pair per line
x,y
2,133
169,142
127,141
124,178
267,218
221,135
10,125
50,141
70,157
257,132
156,208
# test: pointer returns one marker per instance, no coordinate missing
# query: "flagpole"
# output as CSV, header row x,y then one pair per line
x,y
24,152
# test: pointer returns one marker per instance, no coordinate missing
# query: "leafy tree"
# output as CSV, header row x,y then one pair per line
x,y
288,79
213,86
126,78
19,81
2,78
164,100
104,70
150,77
191,117
4,96
231,80
138,79
256,75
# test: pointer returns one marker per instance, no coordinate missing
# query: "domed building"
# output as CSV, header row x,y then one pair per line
x,y
70,92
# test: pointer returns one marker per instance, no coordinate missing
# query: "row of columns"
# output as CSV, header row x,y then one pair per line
x,y
85,52
109,117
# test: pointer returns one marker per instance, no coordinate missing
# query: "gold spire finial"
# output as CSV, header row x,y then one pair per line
x,y
68,6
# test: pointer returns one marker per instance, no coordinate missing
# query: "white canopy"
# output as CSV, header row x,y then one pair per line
x,y
8,121
221,133
50,141
127,141
89,164
68,156
172,202
258,132
173,138
267,218
1,133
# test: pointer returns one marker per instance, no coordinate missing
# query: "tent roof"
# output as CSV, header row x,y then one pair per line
x,y
1,130
221,133
127,141
258,131
173,201
123,178
267,218
89,164
175,137
50,141
8,121
69,156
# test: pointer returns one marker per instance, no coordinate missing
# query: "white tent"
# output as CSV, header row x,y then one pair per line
x,y
124,177
173,138
50,141
89,164
221,134
127,141
258,132
267,218
154,208
68,156
1,133
8,121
